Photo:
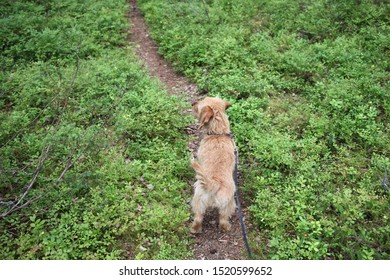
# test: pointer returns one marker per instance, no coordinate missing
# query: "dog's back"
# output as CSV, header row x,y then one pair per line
x,y
216,158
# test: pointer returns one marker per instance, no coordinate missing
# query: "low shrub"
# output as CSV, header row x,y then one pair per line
x,y
309,85
92,151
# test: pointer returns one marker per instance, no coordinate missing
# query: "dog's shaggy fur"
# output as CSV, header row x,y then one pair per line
x,y
215,164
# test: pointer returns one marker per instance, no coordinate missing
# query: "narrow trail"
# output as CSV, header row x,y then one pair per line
x,y
210,244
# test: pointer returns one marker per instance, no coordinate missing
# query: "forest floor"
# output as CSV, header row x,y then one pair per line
x,y
211,244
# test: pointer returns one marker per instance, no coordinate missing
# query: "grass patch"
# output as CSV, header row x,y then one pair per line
x,y
95,145
310,91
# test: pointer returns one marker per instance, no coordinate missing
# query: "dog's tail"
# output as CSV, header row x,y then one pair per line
x,y
206,183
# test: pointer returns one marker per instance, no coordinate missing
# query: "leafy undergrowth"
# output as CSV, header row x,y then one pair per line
x,y
93,154
310,85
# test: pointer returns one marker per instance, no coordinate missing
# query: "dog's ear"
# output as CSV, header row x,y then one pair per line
x,y
227,105
206,115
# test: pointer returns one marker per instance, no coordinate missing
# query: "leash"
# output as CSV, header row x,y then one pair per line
x,y
240,216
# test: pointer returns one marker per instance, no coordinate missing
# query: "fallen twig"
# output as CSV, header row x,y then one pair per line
x,y
16,206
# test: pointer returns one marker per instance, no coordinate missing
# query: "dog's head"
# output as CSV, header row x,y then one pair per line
x,y
206,109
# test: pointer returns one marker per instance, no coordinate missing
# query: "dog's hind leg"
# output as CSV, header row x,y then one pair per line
x,y
199,205
225,211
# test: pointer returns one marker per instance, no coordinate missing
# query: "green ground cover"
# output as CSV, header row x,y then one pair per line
x,y
93,158
309,83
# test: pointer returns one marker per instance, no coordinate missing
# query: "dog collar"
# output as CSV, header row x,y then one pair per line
x,y
231,135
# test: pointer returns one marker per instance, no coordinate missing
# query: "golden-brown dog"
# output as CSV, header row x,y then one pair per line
x,y
215,164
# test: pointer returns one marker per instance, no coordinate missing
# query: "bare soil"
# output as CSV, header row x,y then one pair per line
x,y
211,244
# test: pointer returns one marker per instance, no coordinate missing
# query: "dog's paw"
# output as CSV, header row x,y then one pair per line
x,y
225,226
196,228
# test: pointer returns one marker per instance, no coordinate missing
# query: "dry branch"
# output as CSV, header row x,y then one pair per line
x,y
18,205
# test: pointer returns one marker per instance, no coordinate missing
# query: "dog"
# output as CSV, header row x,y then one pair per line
x,y
215,164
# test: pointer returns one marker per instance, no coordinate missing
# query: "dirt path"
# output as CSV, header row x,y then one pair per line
x,y
210,244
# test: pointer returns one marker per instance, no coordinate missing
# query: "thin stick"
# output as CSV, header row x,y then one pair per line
x,y
42,159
